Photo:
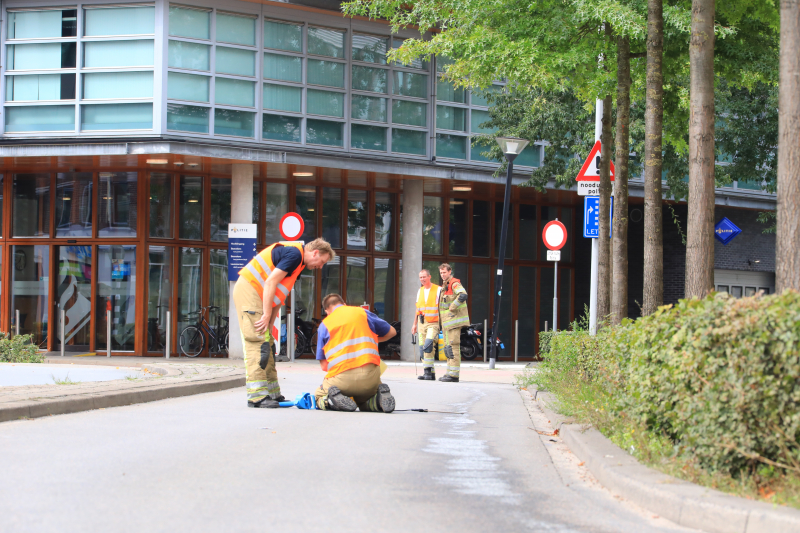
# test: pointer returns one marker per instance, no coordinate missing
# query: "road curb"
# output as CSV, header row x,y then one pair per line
x,y
680,501
88,401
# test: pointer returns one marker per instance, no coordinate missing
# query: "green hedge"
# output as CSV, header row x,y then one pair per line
x,y
19,349
720,377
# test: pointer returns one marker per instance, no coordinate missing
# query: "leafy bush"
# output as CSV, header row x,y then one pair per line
x,y
545,338
19,349
720,377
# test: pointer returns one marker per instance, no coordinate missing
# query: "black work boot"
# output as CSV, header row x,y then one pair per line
x,y
385,398
337,401
279,398
447,378
429,375
266,403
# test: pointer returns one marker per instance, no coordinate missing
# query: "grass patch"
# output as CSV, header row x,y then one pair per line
x,y
65,381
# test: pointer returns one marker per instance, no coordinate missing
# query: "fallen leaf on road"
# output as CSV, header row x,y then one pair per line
x,y
545,433
582,463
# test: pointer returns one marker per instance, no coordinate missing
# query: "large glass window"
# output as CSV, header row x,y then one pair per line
x,y
40,118
189,56
528,234
385,284
283,67
432,225
327,73
306,207
370,48
409,141
526,311
283,36
159,295
368,108
529,157
42,24
326,42
187,118
117,117
120,21
218,286
368,137
369,79
191,23
548,213
546,299
236,29
187,87
74,297
452,146
190,287
325,103
356,280
446,91
459,226
305,292
30,283
31,210
74,205
410,84
451,118
191,208
283,98
357,217
107,85
161,206
481,226
332,216
116,289
277,206
236,123
325,132
498,225
41,56
40,87
235,61
100,54
220,209
330,277
410,113
480,288
279,128
229,91
117,202
384,213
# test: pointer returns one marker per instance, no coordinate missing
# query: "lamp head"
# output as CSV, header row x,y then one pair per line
x,y
512,145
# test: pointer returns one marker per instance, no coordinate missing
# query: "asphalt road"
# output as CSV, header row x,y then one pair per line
x,y
207,463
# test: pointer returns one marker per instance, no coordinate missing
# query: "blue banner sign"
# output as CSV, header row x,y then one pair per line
x,y
725,231
241,247
591,216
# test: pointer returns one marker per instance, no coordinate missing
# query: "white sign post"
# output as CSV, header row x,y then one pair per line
x,y
554,235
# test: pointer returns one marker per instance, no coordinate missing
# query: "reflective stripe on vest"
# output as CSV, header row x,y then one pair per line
x,y
429,307
260,267
352,343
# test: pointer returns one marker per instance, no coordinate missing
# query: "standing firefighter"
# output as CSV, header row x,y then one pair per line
x,y
262,287
452,315
428,320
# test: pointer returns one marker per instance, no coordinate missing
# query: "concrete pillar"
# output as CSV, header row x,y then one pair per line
x,y
412,263
241,213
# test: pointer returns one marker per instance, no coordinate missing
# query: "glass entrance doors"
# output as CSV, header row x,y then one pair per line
x,y
74,298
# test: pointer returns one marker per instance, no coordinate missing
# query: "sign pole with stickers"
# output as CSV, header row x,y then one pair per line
x,y
291,227
554,236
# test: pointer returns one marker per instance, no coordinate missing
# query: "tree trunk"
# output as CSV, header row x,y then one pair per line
x,y
619,293
653,131
787,256
700,224
604,243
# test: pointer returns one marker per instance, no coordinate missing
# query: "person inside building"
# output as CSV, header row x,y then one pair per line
x,y
258,294
347,349
428,320
453,316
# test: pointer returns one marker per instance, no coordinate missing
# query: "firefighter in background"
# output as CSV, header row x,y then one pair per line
x,y
453,316
261,289
428,319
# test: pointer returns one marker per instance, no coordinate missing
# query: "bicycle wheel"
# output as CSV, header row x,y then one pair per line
x,y
299,344
313,344
227,343
192,341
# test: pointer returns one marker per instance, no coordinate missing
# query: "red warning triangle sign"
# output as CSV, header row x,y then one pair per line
x,y
590,171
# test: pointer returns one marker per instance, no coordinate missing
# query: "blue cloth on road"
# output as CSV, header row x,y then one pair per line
x,y
378,326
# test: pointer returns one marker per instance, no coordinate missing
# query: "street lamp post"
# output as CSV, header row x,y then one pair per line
x,y
512,147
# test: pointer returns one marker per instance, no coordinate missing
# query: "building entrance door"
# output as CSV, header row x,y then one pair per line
x,y
74,298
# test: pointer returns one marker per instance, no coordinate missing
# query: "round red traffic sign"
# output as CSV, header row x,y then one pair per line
x,y
292,226
554,235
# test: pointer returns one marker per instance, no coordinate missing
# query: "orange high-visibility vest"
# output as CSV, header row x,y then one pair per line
x,y
430,308
261,266
352,343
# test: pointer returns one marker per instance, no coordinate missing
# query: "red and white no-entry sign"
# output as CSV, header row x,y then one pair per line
x,y
554,235
292,226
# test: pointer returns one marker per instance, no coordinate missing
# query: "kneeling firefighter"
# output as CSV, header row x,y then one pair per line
x,y
453,315
428,319
347,348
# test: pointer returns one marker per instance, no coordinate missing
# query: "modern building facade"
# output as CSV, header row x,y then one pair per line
x,y
134,133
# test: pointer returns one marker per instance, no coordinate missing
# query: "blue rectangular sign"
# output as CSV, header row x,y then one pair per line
x,y
591,216
241,247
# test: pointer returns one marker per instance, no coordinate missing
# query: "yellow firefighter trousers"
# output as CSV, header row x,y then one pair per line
x,y
452,338
249,308
360,383
428,331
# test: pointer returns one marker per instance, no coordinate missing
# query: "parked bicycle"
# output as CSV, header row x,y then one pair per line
x,y
194,339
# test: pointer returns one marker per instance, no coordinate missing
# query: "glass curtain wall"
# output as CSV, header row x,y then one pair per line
x,y
30,287
74,297
160,284
116,295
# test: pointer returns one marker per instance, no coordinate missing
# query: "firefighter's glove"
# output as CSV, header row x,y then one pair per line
x,y
266,351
